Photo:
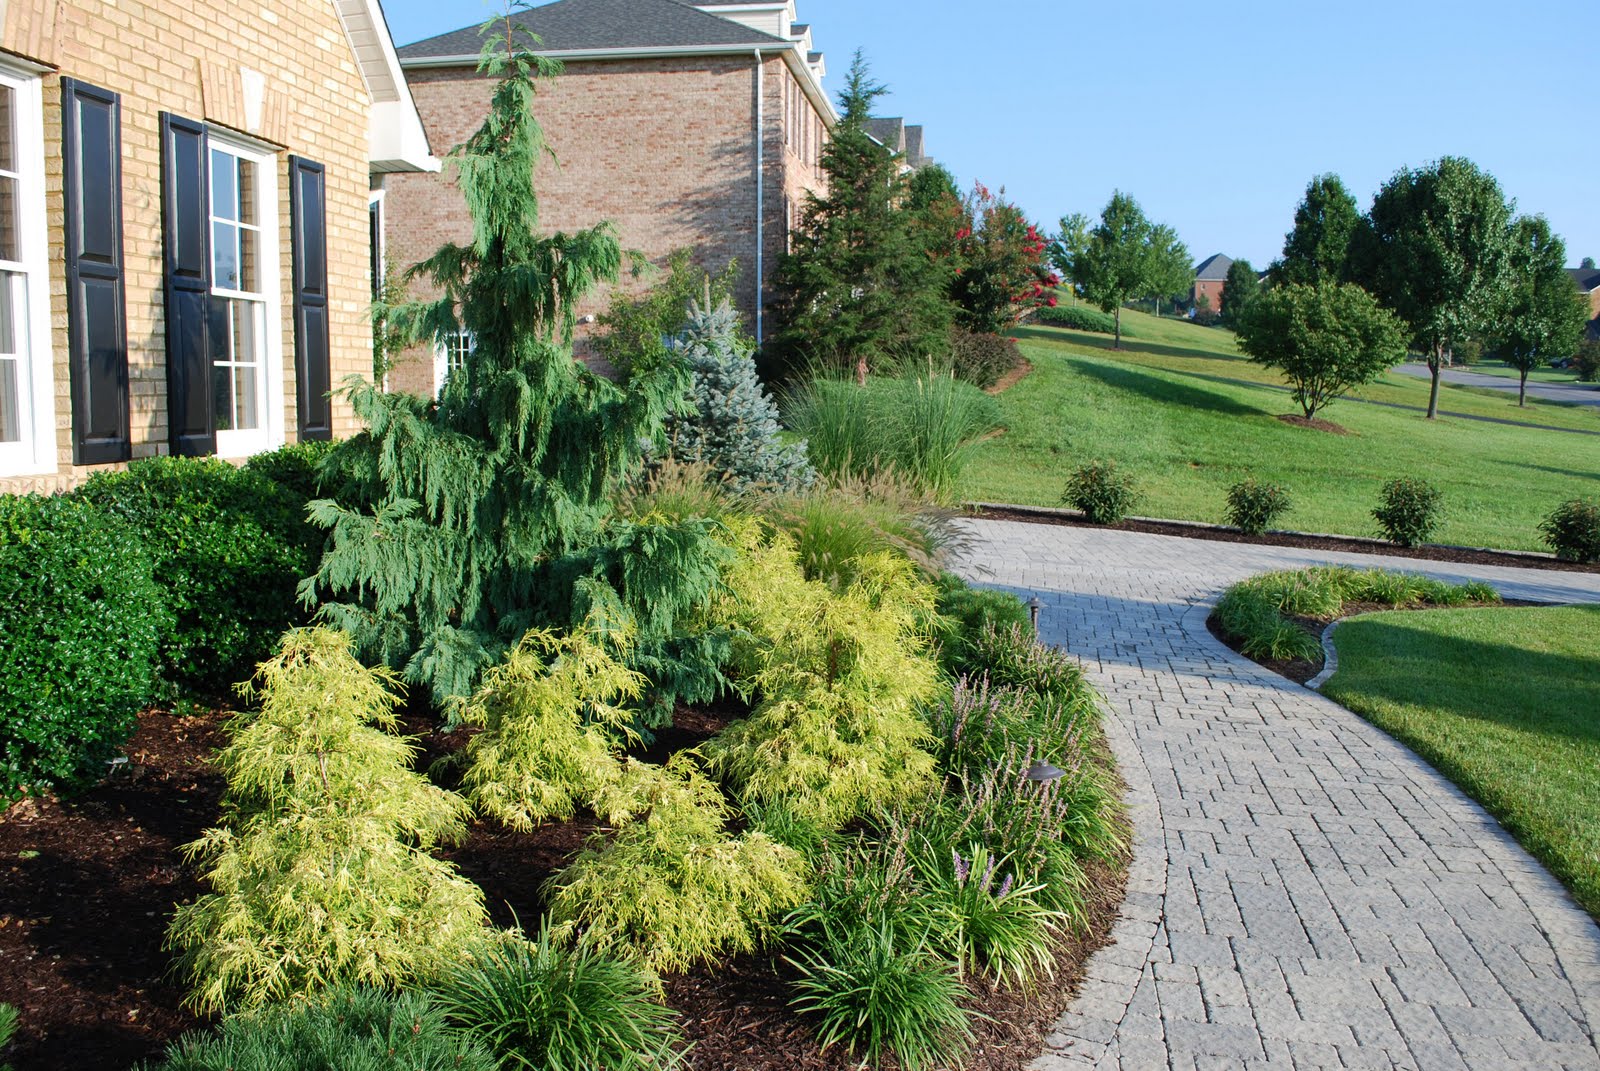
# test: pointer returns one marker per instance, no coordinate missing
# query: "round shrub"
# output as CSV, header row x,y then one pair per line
x,y
981,359
1253,505
294,467
1573,530
1408,510
1104,494
228,548
1079,318
361,1028
81,619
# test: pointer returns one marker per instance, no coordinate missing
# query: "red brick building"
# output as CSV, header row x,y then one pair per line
x,y
687,125
1209,275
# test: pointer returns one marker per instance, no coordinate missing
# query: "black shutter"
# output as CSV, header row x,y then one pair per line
x,y
312,374
96,313
186,229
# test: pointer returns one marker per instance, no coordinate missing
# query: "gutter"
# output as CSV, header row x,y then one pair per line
x,y
761,184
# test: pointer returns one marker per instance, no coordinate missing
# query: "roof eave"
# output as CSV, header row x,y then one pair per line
x,y
396,138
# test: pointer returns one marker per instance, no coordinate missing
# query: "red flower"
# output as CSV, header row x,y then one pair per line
x,y
1051,301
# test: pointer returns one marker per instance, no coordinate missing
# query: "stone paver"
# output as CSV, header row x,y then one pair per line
x,y
1305,893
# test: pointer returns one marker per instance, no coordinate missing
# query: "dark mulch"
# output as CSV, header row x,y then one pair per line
x,y
1314,424
89,886
1427,552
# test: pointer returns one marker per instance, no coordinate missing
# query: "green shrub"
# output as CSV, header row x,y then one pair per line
x,y
835,527
350,1030
998,925
637,331
1011,656
671,887
1573,530
228,548
81,621
1252,619
967,611
1408,510
877,996
976,723
867,882
544,1006
1253,505
322,875
1079,318
1104,494
1587,361
296,467
982,359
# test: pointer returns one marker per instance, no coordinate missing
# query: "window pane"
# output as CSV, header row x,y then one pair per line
x,y
248,210
10,243
10,402
222,396
8,128
249,247
225,256
246,340
10,337
224,195
10,363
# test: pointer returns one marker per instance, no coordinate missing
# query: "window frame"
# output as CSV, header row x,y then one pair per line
x,y
269,433
34,454
444,348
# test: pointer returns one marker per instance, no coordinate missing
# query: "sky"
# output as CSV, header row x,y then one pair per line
x,y
1215,116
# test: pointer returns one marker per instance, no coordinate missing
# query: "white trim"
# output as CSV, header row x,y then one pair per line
x,y
396,140
441,357
269,432
35,454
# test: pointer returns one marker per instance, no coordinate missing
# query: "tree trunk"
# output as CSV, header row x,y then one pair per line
x,y
1435,365
1522,390
1117,345
861,371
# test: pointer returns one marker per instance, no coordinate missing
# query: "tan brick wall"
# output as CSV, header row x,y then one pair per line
x,y
315,106
664,148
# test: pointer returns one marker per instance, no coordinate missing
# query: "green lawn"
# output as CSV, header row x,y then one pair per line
x,y
1188,416
1506,703
1561,377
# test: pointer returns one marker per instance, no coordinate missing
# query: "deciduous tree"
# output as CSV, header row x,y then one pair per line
x,y
1543,316
1325,339
1318,248
1125,256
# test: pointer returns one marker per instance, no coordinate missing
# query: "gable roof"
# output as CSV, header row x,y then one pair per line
x,y
396,140
889,132
605,25
1586,279
1213,267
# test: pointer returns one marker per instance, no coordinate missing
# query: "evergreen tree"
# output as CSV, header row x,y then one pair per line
x,y
462,524
858,289
1241,285
1318,249
733,427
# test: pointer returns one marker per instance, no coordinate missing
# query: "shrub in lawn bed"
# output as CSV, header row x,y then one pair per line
x,y
982,359
998,926
967,611
1408,510
549,1006
1573,530
228,548
1011,656
322,875
1252,618
1104,494
1253,505
1079,318
977,722
359,1029
876,995
671,887
82,620
835,526
296,467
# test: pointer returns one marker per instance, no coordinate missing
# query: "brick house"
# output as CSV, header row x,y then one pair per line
x,y
696,125
1587,280
184,224
1209,275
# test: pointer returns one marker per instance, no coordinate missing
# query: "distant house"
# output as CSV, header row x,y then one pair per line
x,y
695,125
904,141
1209,275
185,213
1587,281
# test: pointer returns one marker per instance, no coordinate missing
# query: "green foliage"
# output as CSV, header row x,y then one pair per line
x,y
1012,656
1587,360
322,875
461,525
296,467
552,717
1317,250
1125,256
1250,618
1573,530
876,994
545,1006
1325,339
732,428
968,612
227,546
923,427
1078,318
671,887
834,528
1542,317
858,290
1254,504
637,332
998,926
388,340
980,725
981,359
349,1030
1104,493
837,676
1408,510
999,270
82,620
8,1029
1239,288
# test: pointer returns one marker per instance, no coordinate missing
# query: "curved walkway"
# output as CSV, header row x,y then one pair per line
x,y
1305,892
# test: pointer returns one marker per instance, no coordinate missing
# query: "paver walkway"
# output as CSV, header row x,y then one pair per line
x,y
1305,892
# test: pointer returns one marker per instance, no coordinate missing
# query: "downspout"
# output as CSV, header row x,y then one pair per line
x,y
761,186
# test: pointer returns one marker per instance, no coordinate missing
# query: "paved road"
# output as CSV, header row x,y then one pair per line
x,y
1577,394
1305,892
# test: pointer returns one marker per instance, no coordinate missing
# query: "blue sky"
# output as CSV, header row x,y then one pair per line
x,y
1216,115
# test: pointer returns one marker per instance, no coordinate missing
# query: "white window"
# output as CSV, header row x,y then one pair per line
x,y
27,402
246,305
449,354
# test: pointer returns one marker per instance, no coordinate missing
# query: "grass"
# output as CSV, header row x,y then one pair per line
x,y
1506,703
1188,416
1561,377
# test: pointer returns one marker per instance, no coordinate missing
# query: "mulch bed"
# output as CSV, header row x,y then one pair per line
x,y
1314,424
89,886
1017,374
1428,552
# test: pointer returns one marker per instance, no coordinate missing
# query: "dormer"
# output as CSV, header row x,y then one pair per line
x,y
776,17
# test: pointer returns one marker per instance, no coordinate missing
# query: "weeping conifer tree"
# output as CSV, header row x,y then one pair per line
x,y
461,524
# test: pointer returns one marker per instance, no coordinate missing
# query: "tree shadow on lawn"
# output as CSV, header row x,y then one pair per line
x,y
1159,389
1130,344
